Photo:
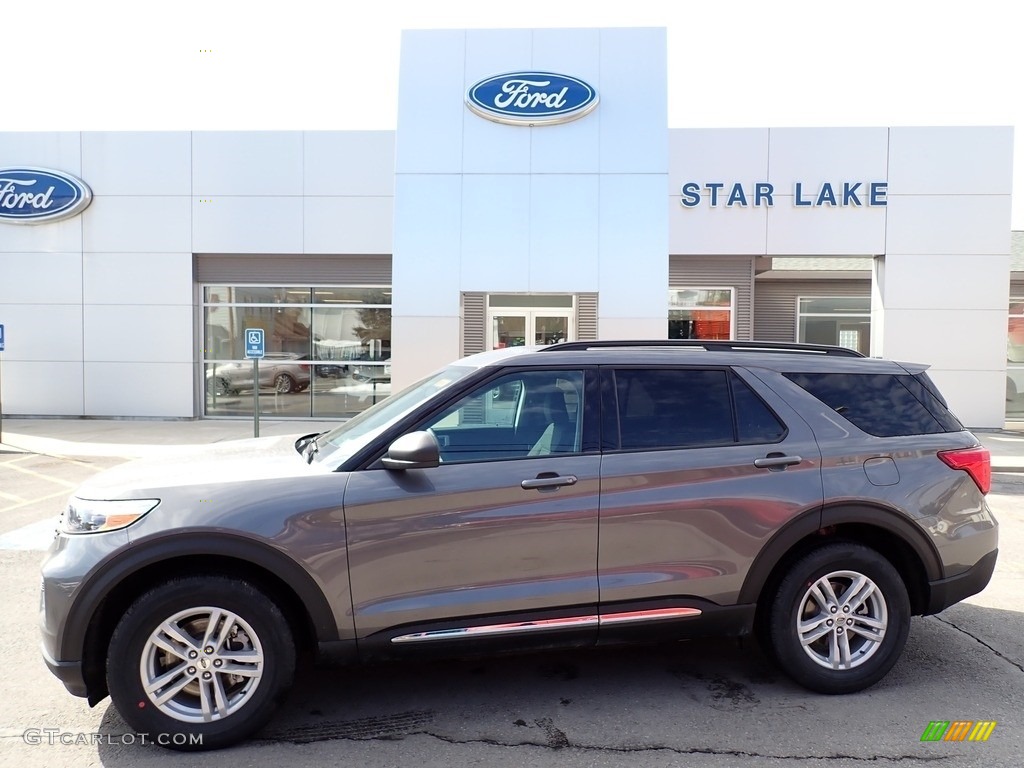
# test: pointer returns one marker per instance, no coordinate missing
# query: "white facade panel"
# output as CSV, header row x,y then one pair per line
x,y
247,163
152,390
61,150
494,52
703,155
347,224
56,237
428,231
633,327
42,332
922,282
137,278
564,240
429,116
975,397
247,225
428,343
573,147
137,224
495,233
137,162
634,101
633,248
42,388
962,340
950,224
932,161
348,163
825,231
147,333
814,156
40,278
703,230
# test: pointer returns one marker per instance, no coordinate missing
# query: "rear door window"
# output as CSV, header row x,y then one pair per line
x,y
687,408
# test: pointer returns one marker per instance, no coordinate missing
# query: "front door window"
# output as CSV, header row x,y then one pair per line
x,y
517,320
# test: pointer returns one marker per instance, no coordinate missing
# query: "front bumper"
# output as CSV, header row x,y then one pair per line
x,y
943,593
68,672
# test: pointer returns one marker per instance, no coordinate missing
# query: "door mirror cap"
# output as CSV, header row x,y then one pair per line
x,y
416,450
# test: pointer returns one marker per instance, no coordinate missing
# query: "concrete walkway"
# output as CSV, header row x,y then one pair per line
x,y
137,438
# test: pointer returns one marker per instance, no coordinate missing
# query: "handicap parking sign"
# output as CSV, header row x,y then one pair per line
x,y
1,337
255,344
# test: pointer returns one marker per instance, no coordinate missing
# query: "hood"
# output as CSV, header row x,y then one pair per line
x,y
235,461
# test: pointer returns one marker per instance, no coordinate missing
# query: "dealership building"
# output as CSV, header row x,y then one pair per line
x,y
532,192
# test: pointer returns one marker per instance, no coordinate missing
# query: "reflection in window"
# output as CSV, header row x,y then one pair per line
x,y
700,313
843,321
328,349
1015,359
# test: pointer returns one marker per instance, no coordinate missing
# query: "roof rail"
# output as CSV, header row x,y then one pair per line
x,y
708,345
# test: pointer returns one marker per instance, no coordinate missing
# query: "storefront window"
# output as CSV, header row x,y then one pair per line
x,y
843,321
328,349
700,313
1015,359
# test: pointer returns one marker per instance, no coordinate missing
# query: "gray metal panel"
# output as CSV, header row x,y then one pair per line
x,y
1016,286
775,314
474,323
586,316
719,272
292,269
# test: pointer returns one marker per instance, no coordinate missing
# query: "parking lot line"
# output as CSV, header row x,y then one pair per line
x,y
43,476
13,507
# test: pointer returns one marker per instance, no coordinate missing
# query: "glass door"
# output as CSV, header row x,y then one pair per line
x,y
535,319
508,330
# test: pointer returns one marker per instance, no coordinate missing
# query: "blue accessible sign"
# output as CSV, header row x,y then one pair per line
x,y
1,337
255,343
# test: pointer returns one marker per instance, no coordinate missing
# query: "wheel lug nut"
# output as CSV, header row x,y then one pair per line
x,y
208,649
191,670
829,623
846,609
192,654
217,662
207,675
833,609
839,630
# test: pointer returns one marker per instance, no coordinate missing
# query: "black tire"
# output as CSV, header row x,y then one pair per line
x,y
249,699
219,386
283,384
867,659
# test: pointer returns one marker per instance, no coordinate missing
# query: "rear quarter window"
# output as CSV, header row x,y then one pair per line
x,y
881,404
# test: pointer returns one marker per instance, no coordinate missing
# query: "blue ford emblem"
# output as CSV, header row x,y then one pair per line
x,y
39,195
531,98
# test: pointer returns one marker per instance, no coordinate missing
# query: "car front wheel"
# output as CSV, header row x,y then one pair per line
x,y
200,662
840,619
283,384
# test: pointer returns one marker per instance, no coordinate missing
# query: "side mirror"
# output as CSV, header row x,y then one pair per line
x,y
416,450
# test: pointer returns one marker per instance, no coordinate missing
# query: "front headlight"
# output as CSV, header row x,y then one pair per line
x,y
93,516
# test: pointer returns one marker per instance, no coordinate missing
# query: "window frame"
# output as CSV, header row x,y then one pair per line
x,y
801,315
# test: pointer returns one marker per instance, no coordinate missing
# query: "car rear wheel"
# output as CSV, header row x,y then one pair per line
x,y
200,662
840,619
283,384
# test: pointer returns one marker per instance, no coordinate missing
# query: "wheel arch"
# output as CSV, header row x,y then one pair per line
x,y
107,594
896,537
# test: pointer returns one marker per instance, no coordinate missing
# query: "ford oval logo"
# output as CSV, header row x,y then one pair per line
x,y
531,98
39,195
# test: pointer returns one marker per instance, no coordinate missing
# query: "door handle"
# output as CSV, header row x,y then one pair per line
x,y
549,482
776,461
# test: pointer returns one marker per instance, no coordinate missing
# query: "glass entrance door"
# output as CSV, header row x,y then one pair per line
x,y
511,328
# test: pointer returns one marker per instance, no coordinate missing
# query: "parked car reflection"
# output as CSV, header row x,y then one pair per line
x,y
278,371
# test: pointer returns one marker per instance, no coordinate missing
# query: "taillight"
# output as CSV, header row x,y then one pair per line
x,y
976,462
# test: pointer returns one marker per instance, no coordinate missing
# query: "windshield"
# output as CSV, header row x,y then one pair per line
x,y
343,442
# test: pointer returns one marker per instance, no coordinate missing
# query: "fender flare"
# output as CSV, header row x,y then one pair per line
x,y
120,566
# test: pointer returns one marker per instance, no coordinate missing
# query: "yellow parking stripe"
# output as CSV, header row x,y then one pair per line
x,y
40,475
63,494
11,496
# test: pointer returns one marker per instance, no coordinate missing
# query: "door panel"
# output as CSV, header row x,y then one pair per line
x,y
506,524
461,540
690,521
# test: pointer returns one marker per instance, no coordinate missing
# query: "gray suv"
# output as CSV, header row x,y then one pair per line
x,y
580,493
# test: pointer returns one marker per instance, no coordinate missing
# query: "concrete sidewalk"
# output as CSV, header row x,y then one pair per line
x,y
132,438
137,438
